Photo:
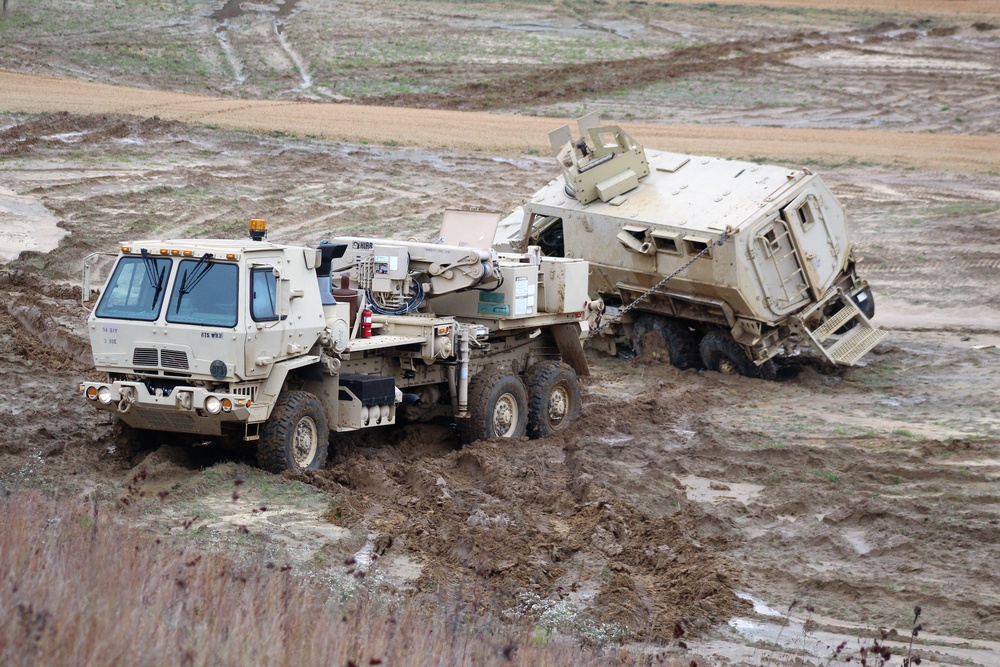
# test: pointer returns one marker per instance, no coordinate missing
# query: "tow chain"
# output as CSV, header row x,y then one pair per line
x,y
604,324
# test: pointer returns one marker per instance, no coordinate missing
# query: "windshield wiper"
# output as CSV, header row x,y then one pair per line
x,y
195,275
155,279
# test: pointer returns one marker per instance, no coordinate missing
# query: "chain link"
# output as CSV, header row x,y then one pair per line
x,y
604,324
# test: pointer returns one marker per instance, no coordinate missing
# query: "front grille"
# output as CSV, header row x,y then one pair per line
x,y
145,356
150,357
248,390
173,359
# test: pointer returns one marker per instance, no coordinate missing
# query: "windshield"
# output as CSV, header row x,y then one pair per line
x,y
135,291
204,293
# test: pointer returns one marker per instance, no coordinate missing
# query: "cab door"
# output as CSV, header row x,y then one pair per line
x,y
266,328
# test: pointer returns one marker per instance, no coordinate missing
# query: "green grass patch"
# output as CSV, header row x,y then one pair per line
x,y
826,475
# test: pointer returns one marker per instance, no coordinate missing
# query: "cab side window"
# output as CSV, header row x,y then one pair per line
x,y
263,302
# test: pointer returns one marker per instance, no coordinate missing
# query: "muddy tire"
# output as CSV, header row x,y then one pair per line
x,y
719,352
866,305
129,441
659,338
297,435
553,398
498,408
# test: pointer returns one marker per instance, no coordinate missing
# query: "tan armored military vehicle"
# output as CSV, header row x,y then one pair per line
x,y
249,341
708,262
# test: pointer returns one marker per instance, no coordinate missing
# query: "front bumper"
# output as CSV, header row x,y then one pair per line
x,y
181,410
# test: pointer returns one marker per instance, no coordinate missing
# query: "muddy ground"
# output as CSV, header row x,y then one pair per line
x,y
683,497
858,493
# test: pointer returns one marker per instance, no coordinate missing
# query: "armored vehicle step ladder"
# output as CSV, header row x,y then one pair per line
x,y
847,347
793,282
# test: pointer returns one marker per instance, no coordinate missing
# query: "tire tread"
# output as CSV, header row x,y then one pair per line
x,y
273,452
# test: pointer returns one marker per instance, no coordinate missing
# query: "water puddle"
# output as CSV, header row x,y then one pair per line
x,y
230,10
25,224
284,11
704,490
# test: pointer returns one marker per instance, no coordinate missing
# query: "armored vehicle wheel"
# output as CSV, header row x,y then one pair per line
x,y
719,352
296,437
664,339
498,407
553,398
866,304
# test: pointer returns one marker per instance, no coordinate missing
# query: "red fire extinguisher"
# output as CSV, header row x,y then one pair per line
x,y
366,323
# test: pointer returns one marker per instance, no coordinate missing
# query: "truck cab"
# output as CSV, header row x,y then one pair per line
x,y
200,323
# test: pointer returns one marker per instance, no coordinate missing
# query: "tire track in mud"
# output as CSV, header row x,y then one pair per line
x,y
504,516
30,303
282,11
543,85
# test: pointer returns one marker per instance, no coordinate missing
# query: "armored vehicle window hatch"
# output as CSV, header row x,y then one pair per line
x,y
696,245
666,242
670,162
636,238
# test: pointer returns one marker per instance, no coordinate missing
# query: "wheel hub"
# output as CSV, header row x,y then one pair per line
x,y
558,405
304,442
728,367
505,416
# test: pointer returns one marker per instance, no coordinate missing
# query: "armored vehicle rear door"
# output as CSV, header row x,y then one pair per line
x,y
818,247
778,267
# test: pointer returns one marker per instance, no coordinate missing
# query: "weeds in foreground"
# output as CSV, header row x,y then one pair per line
x,y
80,586
874,652
549,617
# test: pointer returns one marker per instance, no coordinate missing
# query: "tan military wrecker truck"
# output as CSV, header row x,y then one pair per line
x,y
282,346
710,263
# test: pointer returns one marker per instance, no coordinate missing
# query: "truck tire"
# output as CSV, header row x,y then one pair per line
x,y
129,441
498,407
297,435
719,352
553,398
664,339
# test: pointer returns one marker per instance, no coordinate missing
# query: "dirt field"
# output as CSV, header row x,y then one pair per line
x,y
683,497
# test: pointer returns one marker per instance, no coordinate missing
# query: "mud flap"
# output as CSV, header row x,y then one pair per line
x,y
567,337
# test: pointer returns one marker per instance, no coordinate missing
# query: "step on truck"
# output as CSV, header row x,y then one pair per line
x,y
703,262
253,342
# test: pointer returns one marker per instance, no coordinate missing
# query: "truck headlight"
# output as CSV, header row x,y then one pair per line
x,y
104,395
213,404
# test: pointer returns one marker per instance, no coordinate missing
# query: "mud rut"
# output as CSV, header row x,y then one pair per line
x,y
859,493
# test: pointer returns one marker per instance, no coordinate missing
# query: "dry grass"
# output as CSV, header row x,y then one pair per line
x,y
81,585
